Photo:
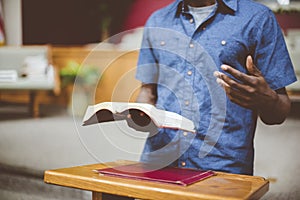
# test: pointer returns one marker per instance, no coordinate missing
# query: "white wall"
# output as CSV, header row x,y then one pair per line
x,y
276,158
12,10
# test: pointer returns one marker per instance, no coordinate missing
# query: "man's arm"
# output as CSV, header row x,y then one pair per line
x,y
277,113
148,94
252,91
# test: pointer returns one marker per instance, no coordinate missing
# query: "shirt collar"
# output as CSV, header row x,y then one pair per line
x,y
231,4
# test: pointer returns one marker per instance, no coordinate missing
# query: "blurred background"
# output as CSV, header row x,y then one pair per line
x,y
59,56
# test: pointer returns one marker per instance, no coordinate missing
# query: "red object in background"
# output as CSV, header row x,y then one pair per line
x,y
288,21
141,10
2,32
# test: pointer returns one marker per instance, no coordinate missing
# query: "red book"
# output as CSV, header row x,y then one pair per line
x,y
172,175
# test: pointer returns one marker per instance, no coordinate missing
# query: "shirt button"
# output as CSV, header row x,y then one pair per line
x,y
204,28
162,43
223,42
187,103
191,20
191,45
183,164
189,73
185,133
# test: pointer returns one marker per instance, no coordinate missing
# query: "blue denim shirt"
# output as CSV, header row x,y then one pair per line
x,y
181,58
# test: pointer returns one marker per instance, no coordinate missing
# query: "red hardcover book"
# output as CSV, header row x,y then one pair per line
x,y
172,175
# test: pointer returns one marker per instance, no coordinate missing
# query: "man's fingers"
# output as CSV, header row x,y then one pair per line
x,y
219,80
224,80
235,91
242,77
252,69
248,79
238,97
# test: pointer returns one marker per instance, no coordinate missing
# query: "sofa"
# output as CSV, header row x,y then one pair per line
x,y
28,68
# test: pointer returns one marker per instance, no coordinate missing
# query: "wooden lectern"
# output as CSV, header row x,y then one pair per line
x,y
223,186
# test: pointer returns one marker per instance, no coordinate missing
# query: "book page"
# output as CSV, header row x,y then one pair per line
x,y
161,118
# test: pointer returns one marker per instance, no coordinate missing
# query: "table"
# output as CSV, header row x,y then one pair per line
x,y
221,186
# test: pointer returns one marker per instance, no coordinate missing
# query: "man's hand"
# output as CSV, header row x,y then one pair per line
x,y
148,94
252,91
247,90
138,120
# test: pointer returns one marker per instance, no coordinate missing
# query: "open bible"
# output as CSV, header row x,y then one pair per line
x,y
138,115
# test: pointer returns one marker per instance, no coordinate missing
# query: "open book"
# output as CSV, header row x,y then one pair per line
x,y
136,114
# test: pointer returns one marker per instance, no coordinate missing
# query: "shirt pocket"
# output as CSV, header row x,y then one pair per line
x,y
167,50
230,51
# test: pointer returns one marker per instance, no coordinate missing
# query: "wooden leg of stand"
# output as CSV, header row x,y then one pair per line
x,y
97,196
34,105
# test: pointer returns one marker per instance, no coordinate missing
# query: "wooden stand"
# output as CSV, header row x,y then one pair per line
x,y
222,186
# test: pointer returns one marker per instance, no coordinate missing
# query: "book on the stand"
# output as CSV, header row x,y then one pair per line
x,y
171,175
140,114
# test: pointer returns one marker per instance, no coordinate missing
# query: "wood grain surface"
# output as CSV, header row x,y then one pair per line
x,y
223,186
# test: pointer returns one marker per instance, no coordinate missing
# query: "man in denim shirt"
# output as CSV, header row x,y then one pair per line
x,y
221,64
